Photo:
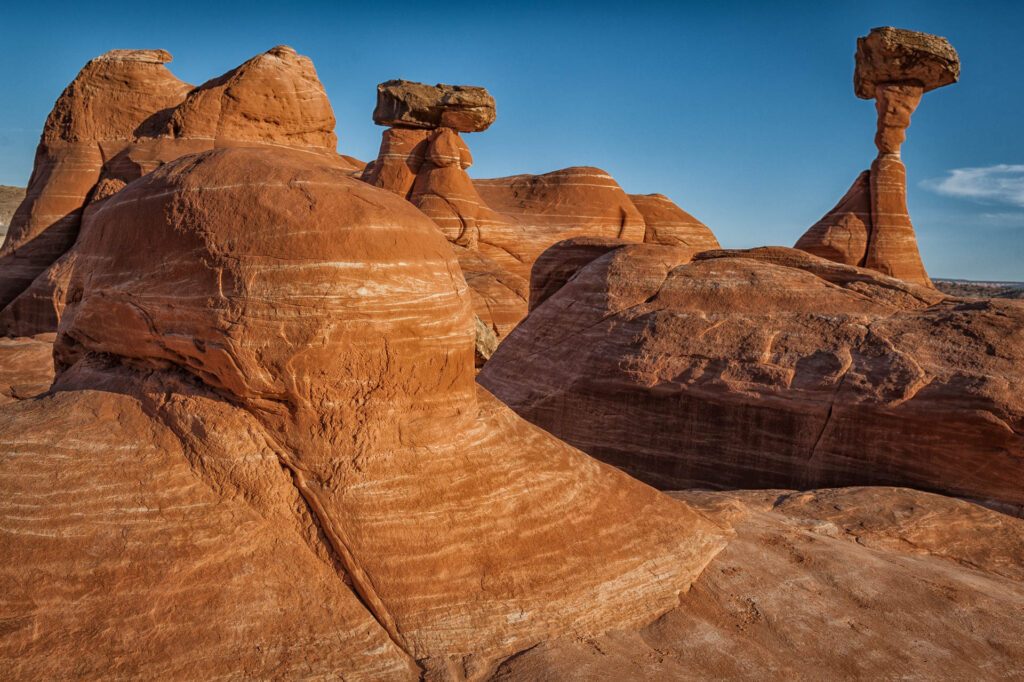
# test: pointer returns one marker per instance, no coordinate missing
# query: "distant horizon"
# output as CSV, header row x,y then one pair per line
x,y
743,115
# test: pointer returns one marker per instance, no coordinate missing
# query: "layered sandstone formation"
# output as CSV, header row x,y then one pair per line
x,y
870,226
857,583
266,367
26,367
500,226
123,116
767,368
94,119
666,223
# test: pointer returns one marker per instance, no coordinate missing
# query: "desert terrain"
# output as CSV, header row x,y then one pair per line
x,y
269,411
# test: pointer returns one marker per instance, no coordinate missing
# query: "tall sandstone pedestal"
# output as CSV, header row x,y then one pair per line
x,y
870,227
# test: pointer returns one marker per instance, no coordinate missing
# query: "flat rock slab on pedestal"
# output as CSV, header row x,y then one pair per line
x,y
465,108
895,55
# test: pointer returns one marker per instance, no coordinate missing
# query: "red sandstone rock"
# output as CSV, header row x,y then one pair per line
x,y
281,358
401,156
444,192
842,234
857,583
124,116
561,262
892,245
26,367
668,224
500,226
274,98
110,99
464,108
542,210
500,299
772,368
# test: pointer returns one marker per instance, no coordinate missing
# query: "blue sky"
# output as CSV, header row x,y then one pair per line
x,y
743,113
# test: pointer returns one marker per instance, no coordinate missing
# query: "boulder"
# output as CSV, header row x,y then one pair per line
x,y
771,368
896,55
406,104
282,358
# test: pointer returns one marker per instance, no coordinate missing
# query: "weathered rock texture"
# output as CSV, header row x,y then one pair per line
x,y
870,227
94,119
499,298
769,368
123,116
26,367
281,358
896,55
858,583
10,197
465,108
666,223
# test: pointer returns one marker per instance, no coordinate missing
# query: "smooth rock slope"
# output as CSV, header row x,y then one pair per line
x,y
856,583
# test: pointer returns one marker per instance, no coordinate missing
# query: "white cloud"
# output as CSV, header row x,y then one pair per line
x,y
999,184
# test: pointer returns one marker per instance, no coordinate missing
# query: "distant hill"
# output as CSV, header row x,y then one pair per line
x,y
970,289
10,197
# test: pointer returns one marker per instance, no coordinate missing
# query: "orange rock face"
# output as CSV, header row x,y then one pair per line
x,y
894,67
402,151
26,367
109,100
500,226
771,368
842,234
123,116
500,299
295,392
668,224
545,209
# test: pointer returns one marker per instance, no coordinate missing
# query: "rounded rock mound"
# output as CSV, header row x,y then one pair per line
x,y
293,332
320,278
